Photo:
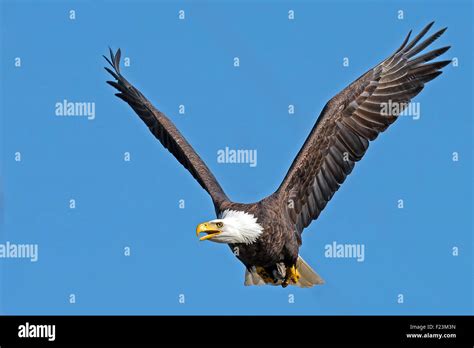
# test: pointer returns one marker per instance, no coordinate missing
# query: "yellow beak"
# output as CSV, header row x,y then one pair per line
x,y
208,227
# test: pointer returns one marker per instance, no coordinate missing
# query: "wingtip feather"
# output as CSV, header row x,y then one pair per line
x,y
114,62
111,72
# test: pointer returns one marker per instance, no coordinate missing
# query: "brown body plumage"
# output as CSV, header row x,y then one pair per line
x,y
339,138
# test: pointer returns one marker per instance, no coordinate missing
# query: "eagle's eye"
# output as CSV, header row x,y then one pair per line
x,y
219,224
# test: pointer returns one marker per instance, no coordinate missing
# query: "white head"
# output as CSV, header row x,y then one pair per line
x,y
232,227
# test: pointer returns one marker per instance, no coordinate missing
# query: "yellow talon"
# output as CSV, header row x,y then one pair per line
x,y
292,276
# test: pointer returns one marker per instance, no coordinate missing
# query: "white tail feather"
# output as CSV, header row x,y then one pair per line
x,y
308,276
252,278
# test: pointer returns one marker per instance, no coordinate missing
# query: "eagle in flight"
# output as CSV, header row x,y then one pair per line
x,y
267,234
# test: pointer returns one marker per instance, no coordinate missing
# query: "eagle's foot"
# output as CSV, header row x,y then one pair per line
x,y
292,276
264,275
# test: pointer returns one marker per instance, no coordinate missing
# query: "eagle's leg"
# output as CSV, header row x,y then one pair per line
x,y
262,272
292,276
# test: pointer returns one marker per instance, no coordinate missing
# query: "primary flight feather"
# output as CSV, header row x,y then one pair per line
x,y
266,236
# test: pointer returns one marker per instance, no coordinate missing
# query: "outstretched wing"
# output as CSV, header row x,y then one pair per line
x,y
165,131
350,120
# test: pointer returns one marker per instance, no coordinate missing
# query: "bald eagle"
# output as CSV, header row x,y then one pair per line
x,y
267,234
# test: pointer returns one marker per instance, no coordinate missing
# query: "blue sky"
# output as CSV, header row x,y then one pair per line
x,y
135,204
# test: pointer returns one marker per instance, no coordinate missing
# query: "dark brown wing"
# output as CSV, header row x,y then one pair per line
x,y
165,131
349,121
